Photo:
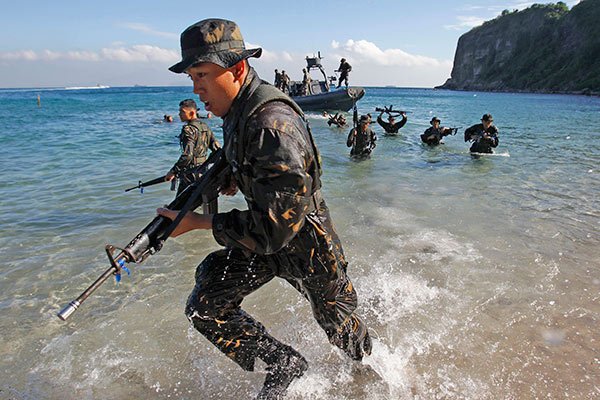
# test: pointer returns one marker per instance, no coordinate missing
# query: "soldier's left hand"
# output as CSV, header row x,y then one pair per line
x,y
231,190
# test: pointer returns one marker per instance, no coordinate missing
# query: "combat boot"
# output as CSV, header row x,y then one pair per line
x,y
284,365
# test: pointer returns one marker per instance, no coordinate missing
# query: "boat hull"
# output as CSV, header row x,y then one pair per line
x,y
337,100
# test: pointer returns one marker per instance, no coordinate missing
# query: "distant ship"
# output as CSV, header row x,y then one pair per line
x,y
322,97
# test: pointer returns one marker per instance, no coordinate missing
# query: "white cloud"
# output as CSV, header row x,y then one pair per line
x,y
26,55
148,30
466,22
363,51
138,53
80,56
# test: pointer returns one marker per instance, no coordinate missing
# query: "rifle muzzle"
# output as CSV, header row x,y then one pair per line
x,y
68,310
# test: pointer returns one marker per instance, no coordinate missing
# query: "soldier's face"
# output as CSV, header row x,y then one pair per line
x,y
186,114
436,124
216,86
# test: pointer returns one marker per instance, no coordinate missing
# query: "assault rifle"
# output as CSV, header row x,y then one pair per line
x,y
150,240
141,185
389,110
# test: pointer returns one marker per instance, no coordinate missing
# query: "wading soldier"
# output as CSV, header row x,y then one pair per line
x,y
195,139
484,136
391,126
286,231
434,134
362,139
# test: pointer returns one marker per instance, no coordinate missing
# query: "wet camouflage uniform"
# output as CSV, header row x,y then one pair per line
x,y
285,82
277,82
306,80
195,139
286,232
362,143
481,144
432,136
392,128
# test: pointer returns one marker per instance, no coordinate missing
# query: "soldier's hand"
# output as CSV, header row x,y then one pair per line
x,y
231,190
189,222
169,177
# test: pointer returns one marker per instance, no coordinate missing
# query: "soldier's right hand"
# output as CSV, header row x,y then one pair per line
x,y
169,177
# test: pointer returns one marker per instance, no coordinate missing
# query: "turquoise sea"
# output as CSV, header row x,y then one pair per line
x,y
480,278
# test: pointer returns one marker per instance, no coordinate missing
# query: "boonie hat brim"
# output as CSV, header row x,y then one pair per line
x,y
225,58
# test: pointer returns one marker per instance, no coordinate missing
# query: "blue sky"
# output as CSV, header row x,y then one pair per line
x,y
122,43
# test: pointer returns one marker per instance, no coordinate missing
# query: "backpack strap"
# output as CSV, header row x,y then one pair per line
x,y
264,94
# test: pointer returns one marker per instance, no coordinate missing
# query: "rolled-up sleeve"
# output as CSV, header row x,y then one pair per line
x,y
277,186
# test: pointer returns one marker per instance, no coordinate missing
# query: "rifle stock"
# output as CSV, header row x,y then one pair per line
x,y
151,239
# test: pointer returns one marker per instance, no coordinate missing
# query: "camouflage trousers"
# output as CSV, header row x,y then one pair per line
x,y
313,263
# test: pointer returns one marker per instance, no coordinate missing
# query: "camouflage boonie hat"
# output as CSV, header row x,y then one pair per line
x,y
216,41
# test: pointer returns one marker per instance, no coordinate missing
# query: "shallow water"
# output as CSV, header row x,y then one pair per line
x,y
479,278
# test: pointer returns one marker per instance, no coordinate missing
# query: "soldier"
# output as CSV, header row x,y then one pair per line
x,y
286,231
434,134
285,82
392,126
195,139
484,136
277,82
306,80
362,139
344,69
338,120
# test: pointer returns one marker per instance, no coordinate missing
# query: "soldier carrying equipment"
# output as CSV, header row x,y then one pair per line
x,y
484,136
391,126
434,134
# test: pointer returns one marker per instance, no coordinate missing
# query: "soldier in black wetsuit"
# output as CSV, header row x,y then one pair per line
x,y
285,232
391,126
433,135
484,136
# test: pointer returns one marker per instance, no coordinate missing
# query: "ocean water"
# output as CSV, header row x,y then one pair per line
x,y
479,278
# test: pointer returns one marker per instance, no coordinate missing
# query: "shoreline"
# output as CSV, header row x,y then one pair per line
x,y
585,92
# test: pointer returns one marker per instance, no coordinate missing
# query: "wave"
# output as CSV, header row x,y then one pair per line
x,y
86,87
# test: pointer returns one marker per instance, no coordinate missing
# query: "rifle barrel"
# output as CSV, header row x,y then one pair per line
x,y
154,181
74,305
213,174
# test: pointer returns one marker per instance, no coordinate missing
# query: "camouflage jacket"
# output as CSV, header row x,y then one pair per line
x,y
392,128
195,140
276,167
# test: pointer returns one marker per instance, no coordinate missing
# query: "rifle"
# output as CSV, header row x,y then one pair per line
x,y
141,185
389,110
151,239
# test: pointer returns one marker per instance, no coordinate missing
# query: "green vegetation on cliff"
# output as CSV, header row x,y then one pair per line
x,y
545,48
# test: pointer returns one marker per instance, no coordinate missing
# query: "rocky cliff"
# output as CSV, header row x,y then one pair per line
x,y
544,48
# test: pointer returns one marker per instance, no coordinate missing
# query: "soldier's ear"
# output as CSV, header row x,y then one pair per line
x,y
240,69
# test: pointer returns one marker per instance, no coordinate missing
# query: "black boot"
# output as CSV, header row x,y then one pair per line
x,y
284,365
